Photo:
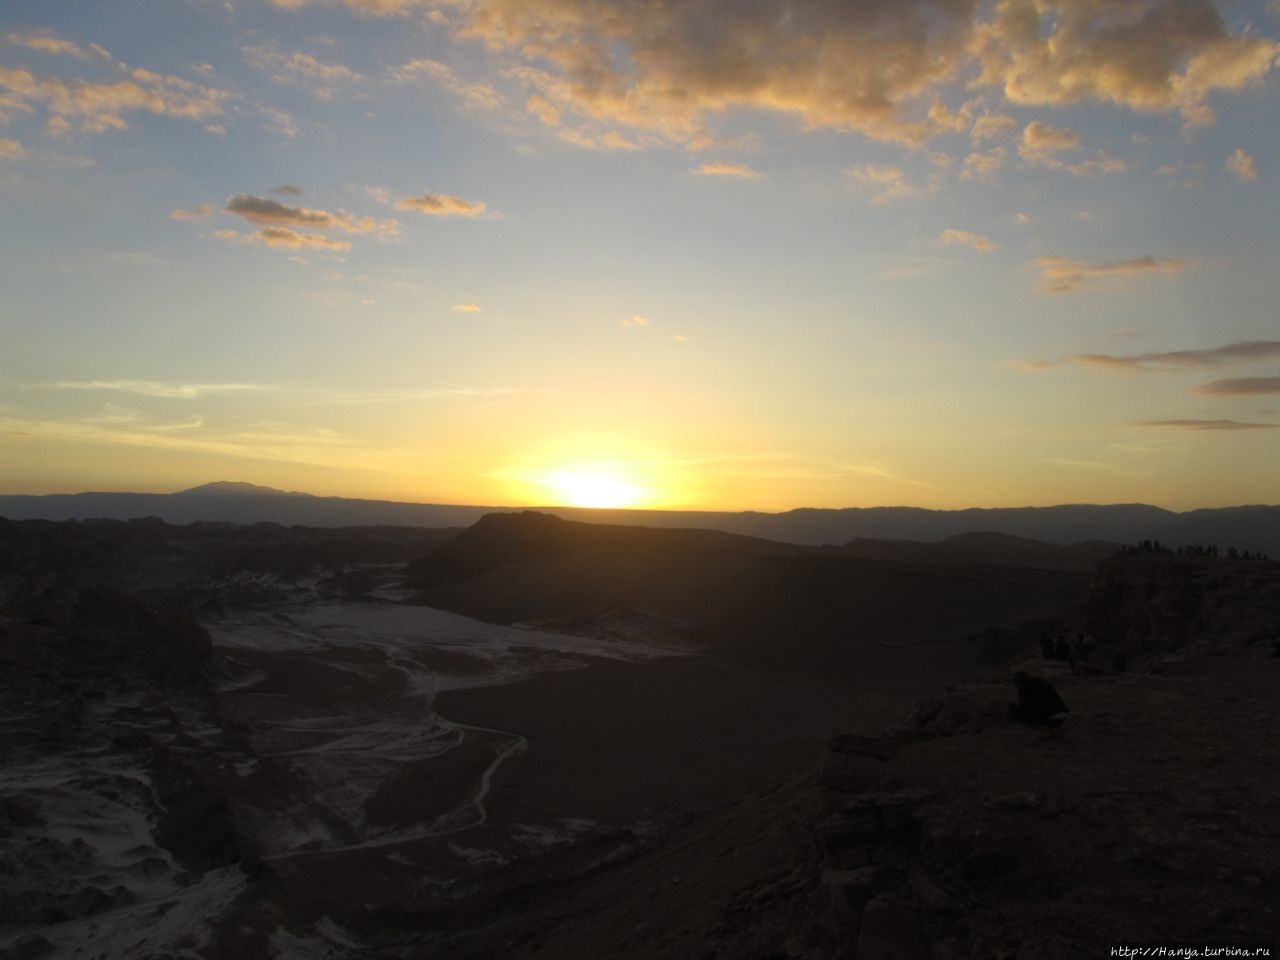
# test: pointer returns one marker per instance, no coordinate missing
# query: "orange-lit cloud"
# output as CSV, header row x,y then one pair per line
x,y
877,68
291,239
635,321
474,94
1156,56
1242,166
992,126
964,238
467,307
1102,163
196,213
1063,275
320,79
99,107
888,182
982,165
1042,143
740,170
441,205
11,149
50,43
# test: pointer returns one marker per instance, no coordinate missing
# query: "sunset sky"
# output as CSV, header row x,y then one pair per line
x,y
709,254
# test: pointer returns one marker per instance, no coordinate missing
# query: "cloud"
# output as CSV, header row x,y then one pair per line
x,y
1063,275
668,69
371,8
740,170
467,307
981,165
99,107
265,212
11,149
1242,165
1241,385
543,109
1041,143
280,122
888,181
49,43
992,126
481,95
635,321
288,190
1243,351
880,68
291,239
320,79
963,238
196,213
441,205
1206,424
153,388
1102,163
1155,56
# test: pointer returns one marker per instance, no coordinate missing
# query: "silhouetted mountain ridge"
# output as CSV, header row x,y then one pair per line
x,y
1254,528
237,488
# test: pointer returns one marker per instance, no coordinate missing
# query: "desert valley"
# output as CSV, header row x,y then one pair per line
x,y
535,736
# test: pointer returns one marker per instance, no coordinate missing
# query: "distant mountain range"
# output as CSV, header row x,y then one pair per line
x,y
1254,528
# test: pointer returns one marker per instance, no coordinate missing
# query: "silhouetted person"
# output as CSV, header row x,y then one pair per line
x,y
1061,649
1046,647
1038,702
1082,647
1119,663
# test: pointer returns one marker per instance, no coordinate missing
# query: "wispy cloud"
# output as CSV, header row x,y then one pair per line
x,y
739,170
1206,424
196,213
1242,386
11,149
964,238
47,42
1172,360
153,388
635,321
292,240
474,94
322,80
887,182
441,205
1242,166
1064,275
467,307
101,106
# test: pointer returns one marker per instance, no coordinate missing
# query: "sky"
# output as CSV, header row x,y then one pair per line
x,y
714,254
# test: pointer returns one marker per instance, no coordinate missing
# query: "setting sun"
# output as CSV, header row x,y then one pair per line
x,y
592,488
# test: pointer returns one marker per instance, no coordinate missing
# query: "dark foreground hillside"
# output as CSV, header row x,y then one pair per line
x,y
1150,817
239,743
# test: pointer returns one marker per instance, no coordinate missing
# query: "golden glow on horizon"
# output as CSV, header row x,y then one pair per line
x,y
591,487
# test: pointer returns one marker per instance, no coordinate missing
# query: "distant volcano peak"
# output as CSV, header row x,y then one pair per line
x,y
234,488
